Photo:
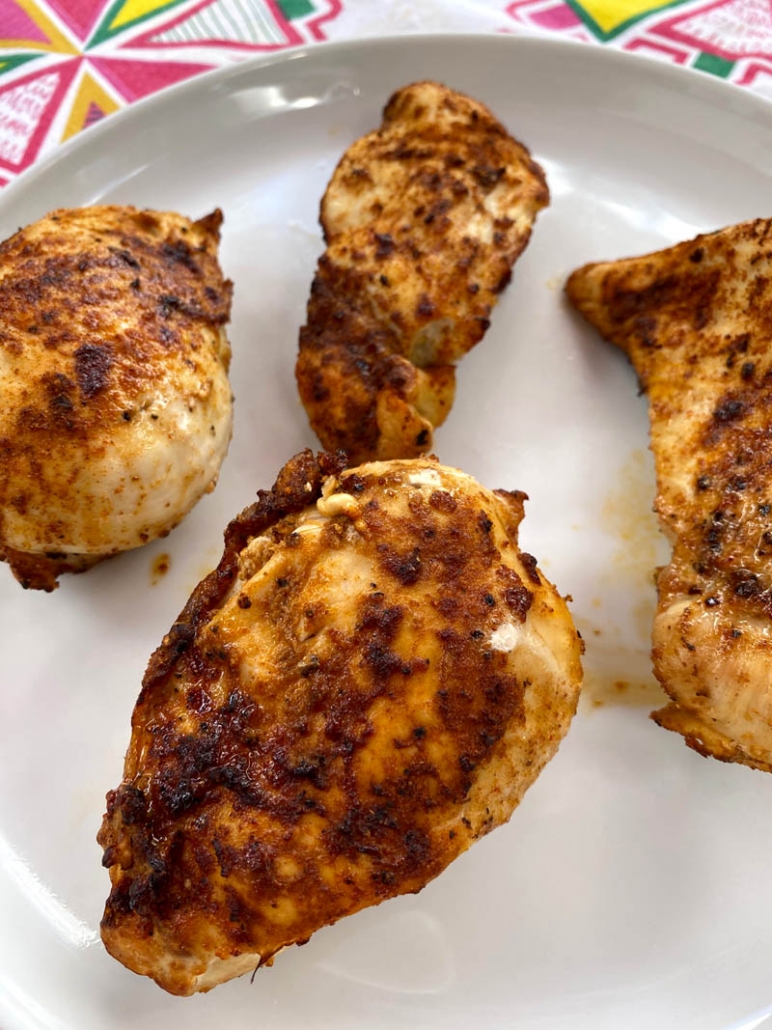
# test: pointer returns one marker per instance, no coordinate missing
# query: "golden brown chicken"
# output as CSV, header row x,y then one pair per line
x,y
695,320
367,684
423,221
115,408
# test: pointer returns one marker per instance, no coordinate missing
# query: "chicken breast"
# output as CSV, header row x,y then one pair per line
x,y
695,321
367,684
115,407
423,221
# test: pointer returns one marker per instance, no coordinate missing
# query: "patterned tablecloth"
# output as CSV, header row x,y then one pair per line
x,y
64,64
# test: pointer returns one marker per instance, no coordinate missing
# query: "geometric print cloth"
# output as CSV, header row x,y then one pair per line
x,y
66,64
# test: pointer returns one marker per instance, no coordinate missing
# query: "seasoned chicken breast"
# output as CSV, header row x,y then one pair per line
x,y
115,408
694,320
367,684
423,221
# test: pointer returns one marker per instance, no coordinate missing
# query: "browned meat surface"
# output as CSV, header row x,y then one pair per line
x,y
367,684
115,408
696,321
423,221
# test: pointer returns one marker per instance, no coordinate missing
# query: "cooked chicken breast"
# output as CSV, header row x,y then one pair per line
x,y
423,221
694,320
367,684
115,408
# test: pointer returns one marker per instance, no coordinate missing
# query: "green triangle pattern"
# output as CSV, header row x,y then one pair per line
x,y
7,64
296,8
714,64
104,30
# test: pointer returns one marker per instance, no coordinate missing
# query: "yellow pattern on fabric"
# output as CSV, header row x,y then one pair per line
x,y
57,41
89,92
610,14
132,10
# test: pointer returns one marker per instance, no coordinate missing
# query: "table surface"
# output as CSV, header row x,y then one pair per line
x,y
65,64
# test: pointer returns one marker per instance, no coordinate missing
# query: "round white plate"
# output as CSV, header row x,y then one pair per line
x,y
631,889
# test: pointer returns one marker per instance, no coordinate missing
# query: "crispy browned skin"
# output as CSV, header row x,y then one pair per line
x,y
115,408
423,221
366,685
696,320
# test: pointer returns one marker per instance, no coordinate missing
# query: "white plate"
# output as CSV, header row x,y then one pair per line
x,y
631,889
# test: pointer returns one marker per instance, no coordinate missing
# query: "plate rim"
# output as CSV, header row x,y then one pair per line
x,y
708,87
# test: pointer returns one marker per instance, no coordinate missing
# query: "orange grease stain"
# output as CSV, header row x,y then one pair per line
x,y
159,567
617,662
